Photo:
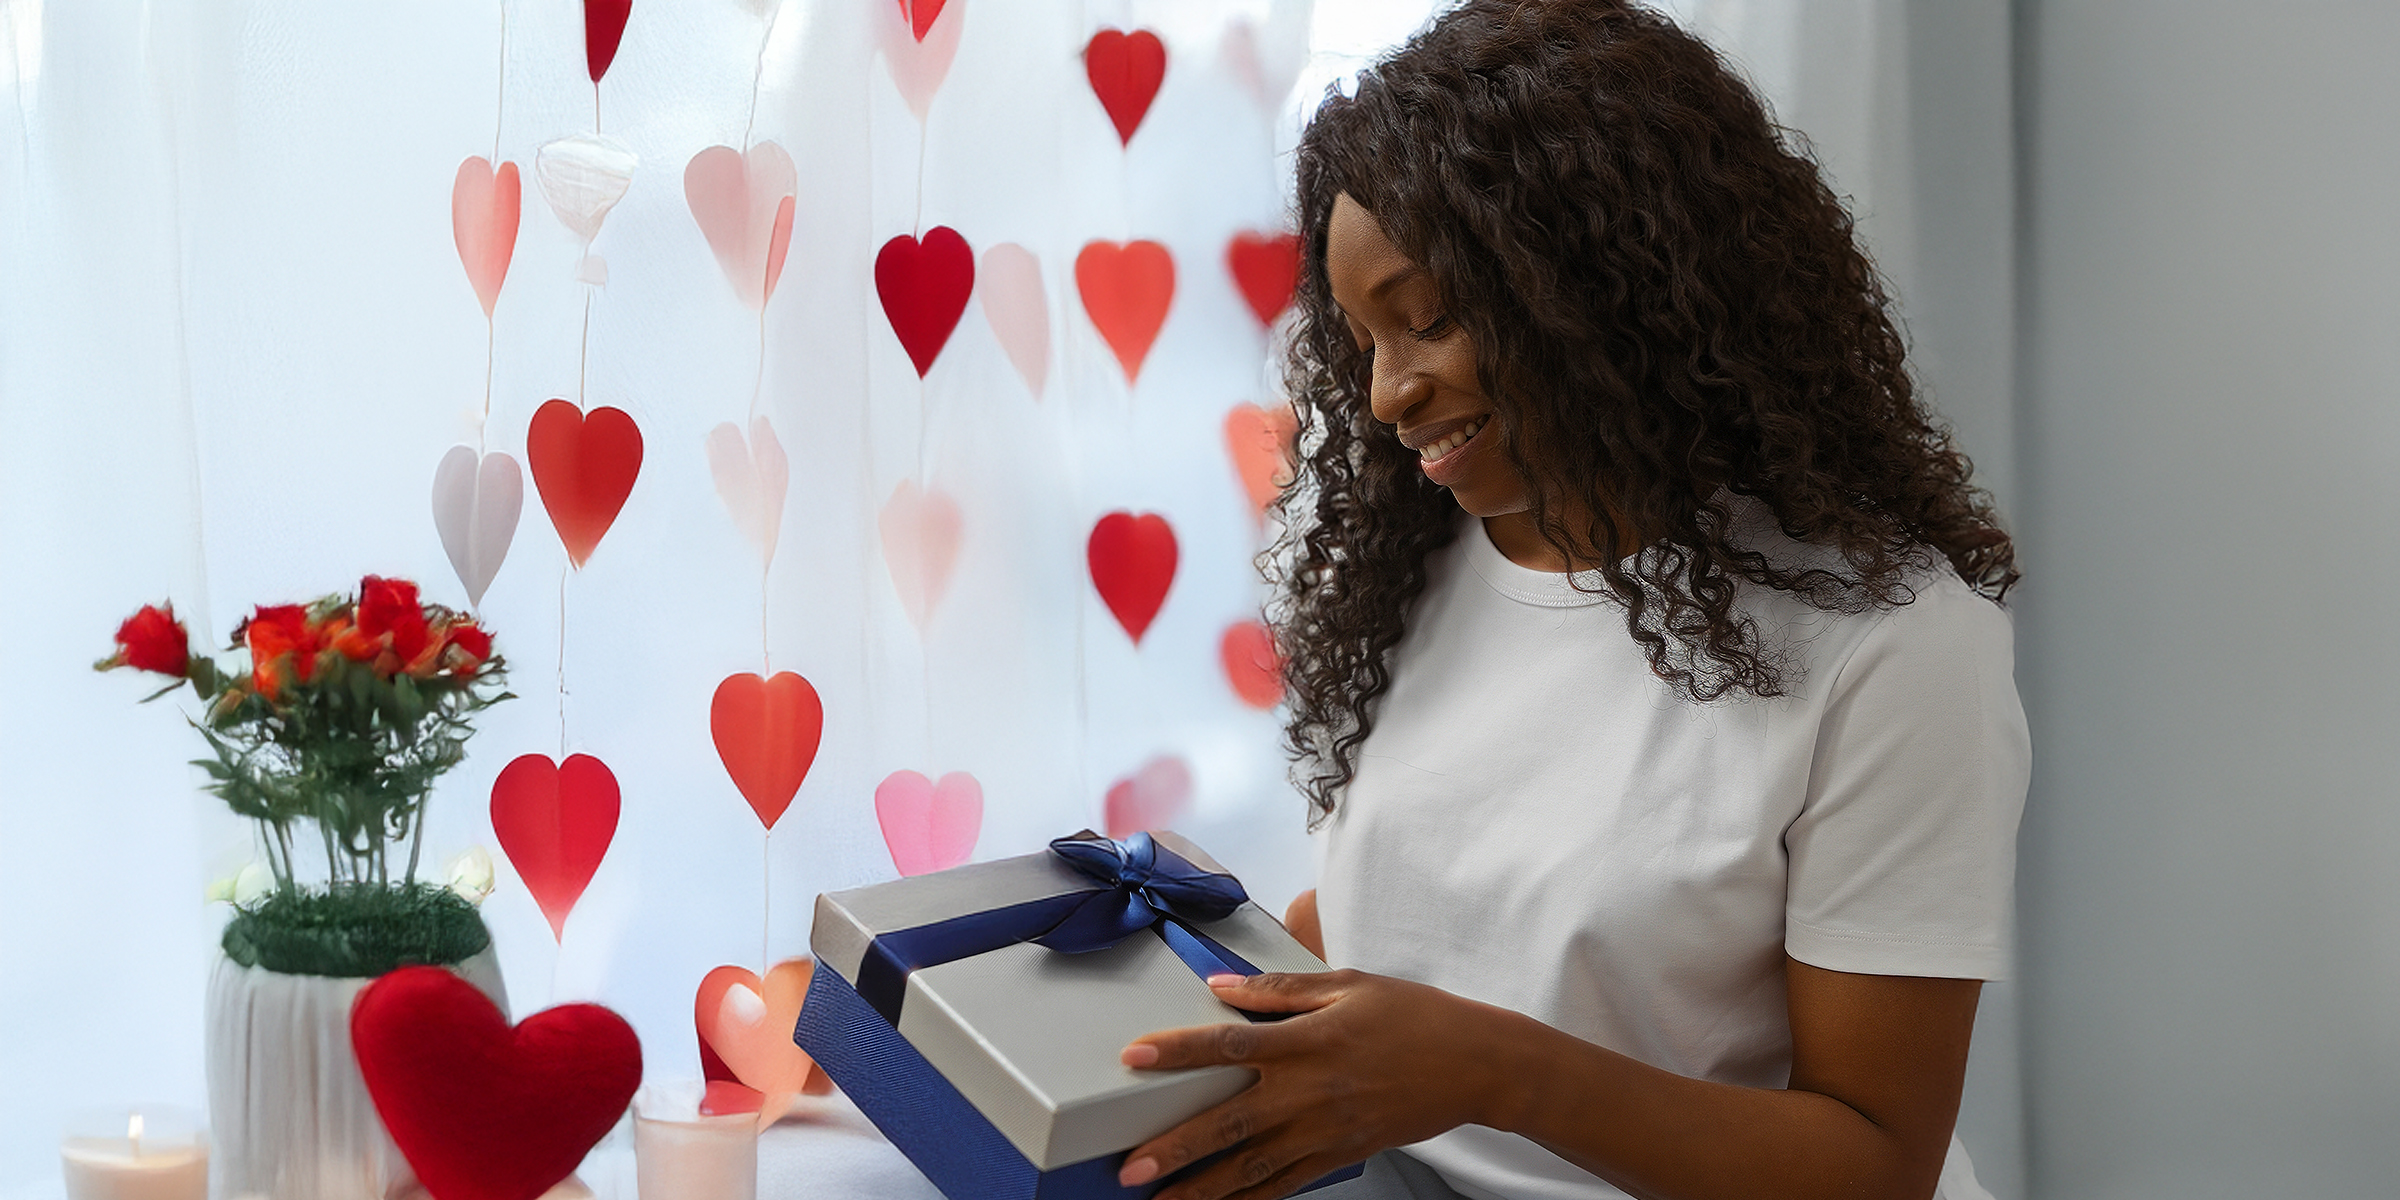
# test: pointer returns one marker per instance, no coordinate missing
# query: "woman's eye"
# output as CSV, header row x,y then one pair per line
x,y
1433,329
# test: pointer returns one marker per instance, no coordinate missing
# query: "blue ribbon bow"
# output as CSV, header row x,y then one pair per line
x,y
1141,885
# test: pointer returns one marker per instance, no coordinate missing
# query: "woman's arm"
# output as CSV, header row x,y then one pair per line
x,y
1373,1063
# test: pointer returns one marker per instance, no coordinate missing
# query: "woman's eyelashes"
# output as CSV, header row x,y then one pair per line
x,y
1432,329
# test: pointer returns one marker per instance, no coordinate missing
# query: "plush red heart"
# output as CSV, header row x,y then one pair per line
x,y
603,28
921,15
1133,563
767,732
1266,267
555,824
482,1111
1126,290
1150,798
924,286
1251,664
584,465
1125,70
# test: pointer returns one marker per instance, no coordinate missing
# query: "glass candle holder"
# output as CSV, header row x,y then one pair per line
x,y
682,1154
156,1152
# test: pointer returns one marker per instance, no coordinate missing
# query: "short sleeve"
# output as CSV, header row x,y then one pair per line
x,y
1903,858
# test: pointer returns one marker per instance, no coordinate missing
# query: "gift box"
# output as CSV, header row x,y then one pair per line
x,y
976,1014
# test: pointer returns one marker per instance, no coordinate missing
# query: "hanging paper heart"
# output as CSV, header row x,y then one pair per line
x,y
767,732
584,465
480,1110
920,531
752,479
744,204
1125,70
929,826
483,221
1260,443
921,14
918,43
582,177
924,286
1266,267
1126,289
1132,559
1251,664
603,28
476,502
555,823
1018,309
748,1025
1151,798
1267,60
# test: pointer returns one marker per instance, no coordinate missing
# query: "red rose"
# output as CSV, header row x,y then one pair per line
x,y
472,643
389,606
282,646
153,640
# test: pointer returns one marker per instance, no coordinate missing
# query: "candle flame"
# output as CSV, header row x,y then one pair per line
x,y
133,1128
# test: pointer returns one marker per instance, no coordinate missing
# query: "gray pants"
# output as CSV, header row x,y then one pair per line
x,y
1391,1175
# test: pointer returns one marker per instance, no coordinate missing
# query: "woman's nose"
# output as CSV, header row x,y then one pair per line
x,y
1394,389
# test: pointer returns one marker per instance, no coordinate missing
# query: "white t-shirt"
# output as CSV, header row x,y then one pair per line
x,y
1540,823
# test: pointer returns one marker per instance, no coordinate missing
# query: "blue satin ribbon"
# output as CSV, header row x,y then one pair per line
x,y
1142,885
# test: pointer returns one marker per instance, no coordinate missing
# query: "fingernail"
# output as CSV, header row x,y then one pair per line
x,y
1138,1172
1226,979
1140,1054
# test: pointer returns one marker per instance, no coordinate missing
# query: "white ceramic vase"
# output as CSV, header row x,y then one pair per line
x,y
289,1113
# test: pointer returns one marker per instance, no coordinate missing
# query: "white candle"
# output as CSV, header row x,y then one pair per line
x,y
153,1160
680,1154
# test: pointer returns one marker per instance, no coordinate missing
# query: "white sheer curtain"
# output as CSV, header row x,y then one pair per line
x,y
236,340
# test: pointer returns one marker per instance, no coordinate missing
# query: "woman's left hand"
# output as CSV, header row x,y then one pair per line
x,y
1369,1063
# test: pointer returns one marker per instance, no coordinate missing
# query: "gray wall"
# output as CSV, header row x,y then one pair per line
x,y
2210,408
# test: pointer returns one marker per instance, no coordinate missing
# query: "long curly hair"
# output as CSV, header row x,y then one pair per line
x,y
1668,305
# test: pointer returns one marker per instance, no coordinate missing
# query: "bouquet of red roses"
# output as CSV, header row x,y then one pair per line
x,y
346,711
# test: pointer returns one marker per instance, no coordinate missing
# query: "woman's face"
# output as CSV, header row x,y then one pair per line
x,y
1424,365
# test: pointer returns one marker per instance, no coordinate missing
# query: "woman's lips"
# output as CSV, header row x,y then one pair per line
x,y
1445,460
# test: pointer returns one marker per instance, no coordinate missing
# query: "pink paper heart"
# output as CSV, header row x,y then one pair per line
x,y
476,502
1018,308
929,826
484,205
1151,798
752,479
919,59
744,203
920,531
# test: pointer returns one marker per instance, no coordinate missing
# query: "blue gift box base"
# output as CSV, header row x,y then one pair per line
x,y
931,1122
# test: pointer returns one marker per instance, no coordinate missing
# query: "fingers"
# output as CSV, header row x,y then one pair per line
x,y
1252,1161
1278,991
1291,1179
1205,1045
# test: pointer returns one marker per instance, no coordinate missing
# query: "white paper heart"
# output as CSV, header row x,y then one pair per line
x,y
752,479
1267,59
920,545
1010,282
476,503
583,176
743,201
918,68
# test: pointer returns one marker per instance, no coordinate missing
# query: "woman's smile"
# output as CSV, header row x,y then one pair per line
x,y
1443,446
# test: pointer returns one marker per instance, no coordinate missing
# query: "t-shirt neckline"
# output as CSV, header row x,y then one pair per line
x,y
1546,589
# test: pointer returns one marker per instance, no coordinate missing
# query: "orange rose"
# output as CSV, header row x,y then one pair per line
x,y
282,647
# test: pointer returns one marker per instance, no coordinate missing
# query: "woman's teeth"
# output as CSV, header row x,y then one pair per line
x,y
1437,449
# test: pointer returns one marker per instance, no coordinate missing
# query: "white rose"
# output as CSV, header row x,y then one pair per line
x,y
470,874
254,884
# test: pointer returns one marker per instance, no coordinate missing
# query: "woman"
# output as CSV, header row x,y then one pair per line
x,y
1646,665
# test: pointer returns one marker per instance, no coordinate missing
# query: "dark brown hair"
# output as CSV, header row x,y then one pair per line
x,y
1667,304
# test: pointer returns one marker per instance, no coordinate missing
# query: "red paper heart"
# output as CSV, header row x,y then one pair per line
x,y
555,824
1251,664
1266,267
1125,70
1126,290
482,1111
1150,798
1260,442
1133,563
767,732
751,1040
924,286
584,464
484,207
603,28
920,15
